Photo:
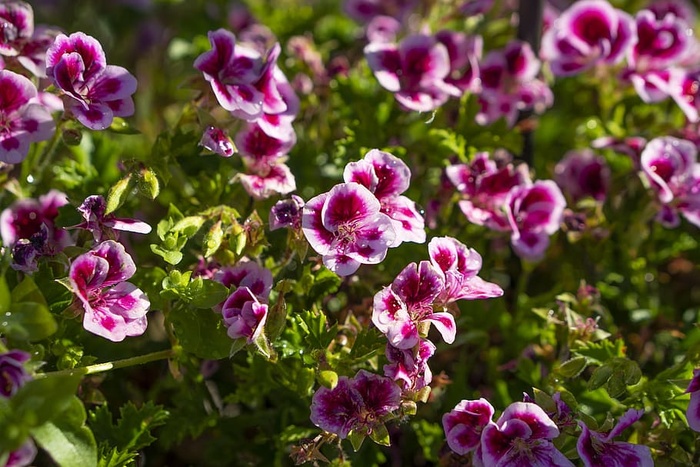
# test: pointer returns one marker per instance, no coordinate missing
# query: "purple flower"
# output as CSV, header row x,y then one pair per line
x,y
24,218
681,9
363,11
17,20
287,213
589,33
459,266
464,52
217,141
582,174
113,308
522,436
410,366
534,213
244,315
96,92
464,424
693,411
387,177
598,449
668,163
12,373
33,53
404,310
260,148
414,70
23,456
22,119
103,226
346,227
383,29
661,42
355,404
248,274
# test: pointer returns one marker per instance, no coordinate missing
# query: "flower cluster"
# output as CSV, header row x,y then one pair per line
x,y
505,199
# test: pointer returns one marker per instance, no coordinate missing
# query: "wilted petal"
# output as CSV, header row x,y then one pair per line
x,y
286,213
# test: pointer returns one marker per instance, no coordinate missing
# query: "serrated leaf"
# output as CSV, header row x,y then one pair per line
x,y
201,332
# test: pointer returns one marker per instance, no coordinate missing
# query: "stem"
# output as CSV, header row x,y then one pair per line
x,y
100,367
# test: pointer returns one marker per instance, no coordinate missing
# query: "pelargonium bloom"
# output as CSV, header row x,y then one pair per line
x,y
357,404
24,218
103,225
668,163
459,266
23,456
410,366
259,148
534,213
681,9
12,373
346,227
464,424
244,315
22,119
693,411
387,177
114,308
588,33
522,435
96,92
248,274
217,141
363,11
599,449
403,310
17,20
268,180
287,213
464,53
583,174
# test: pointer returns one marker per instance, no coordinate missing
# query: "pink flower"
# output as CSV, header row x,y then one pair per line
x,y
404,309
387,177
598,449
22,119
459,267
534,213
113,308
693,411
582,174
103,225
244,315
23,456
355,404
96,92
521,436
18,26
268,180
248,274
410,366
24,218
661,42
363,11
33,53
414,70
464,424
589,33
346,227
464,52
258,147
681,9
217,141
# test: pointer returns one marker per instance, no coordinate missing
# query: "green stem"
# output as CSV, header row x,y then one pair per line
x,y
101,367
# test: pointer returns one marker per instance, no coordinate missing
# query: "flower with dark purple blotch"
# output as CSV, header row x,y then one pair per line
x,y
260,148
357,404
17,19
693,411
522,436
114,308
459,266
464,52
346,227
33,53
244,315
387,177
583,174
464,424
26,252
404,310
534,213
589,33
598,449
363,11
414,70
410,366
12,373
24,218
23,456
268,181
287,213
103,225
217,141
681,9
246,274
96,92
22,119
668,163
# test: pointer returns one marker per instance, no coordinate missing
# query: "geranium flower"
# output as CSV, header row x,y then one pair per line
x,y
681,9
23,456
583,174
464,53
103,225
33,53
244,315
96,92
113,308
459,267
24,218
217,141
287,213
588,33
404,309
464,424
363,11
387,177
355,404
410,366
12,373
346,227
668,163
268,180
22,119
598,449
521,436
18,26
248,274
693,411
260,148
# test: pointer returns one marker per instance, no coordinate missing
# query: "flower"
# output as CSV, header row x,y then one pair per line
x,y
22,119
17,25
357,404
522,435
24,218
244,315
693,411
465,423
268,181
459,267
247,274
217,141
96,92
582,174
113,308
346,227
103,225
387,177
363,11
464,53
598,449
402,310
287,213
23,456
410,366
589,33
12,373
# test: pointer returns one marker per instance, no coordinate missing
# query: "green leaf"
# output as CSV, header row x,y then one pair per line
x,y
213,238
356,439
170,256
148,183
201,332
573,367
380,435
205,293
27,291
133,430
600,376
118,193
28,321
189,225
4,295
121,126
40,400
